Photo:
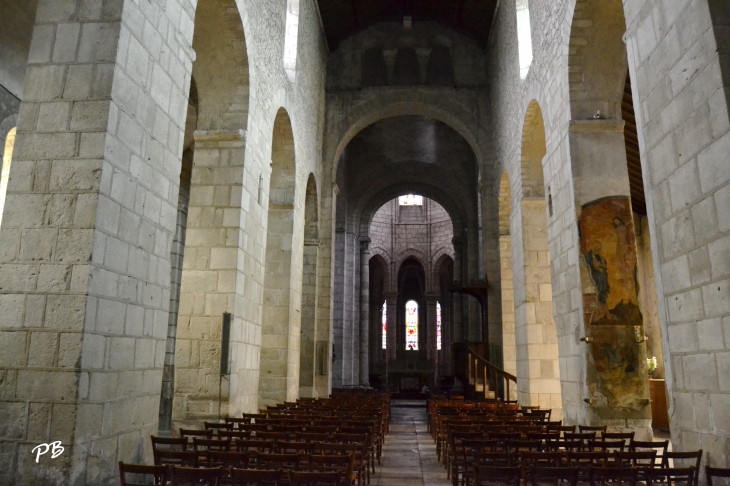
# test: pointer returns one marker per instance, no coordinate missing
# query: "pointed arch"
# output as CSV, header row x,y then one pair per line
x,y
309,331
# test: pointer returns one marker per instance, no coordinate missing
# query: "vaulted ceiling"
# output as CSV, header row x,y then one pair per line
x,y
342,18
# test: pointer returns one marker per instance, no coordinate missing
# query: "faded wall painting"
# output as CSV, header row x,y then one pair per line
x,y
610,301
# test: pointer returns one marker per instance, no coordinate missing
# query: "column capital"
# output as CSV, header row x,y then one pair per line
x,y
432,297
365,244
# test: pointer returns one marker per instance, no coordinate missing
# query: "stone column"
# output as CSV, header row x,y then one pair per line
x,y
392,341
87,228
460,333
364,311
431,301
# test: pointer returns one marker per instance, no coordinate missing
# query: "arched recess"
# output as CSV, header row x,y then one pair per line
x,y
309,363
280,332
411,287
379,286
509,350
608,184
213,160
537,358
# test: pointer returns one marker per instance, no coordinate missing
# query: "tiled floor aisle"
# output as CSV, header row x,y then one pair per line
x,y
409,453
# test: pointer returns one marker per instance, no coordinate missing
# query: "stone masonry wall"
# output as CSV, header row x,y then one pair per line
x,y
683,123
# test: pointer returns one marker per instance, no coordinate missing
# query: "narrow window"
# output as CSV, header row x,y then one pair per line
x,y
410,200
524,36
5,171
291,35
384,322
412,325
438,326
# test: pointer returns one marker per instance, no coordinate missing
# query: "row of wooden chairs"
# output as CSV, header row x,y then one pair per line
x,y
215,476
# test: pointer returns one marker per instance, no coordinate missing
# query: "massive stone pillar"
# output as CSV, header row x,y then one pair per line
x,y
432,351
208,286
309,332
617,388
86,234
364,311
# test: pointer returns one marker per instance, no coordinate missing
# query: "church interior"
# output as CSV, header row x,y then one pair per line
x,y
222,219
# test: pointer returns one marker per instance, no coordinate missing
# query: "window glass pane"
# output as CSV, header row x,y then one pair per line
x,y
410,200
438,326
384,322
412,325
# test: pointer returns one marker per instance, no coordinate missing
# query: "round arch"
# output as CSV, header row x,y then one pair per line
x,y
382,106
367,208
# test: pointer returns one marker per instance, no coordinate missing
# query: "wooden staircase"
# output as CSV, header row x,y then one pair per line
x,y
483,380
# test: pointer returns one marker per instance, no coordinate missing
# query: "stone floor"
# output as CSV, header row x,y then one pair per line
x,y
409,453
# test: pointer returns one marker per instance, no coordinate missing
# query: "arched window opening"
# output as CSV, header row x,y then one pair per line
x,y
7,158
524,36
384,322
291,35
438,326
410,200
412,325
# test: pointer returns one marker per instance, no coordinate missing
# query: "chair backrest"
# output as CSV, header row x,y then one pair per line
x,y
211,444
582,436
258,445
308,478
613,476
226,459
606,445
677,476
592,428
541,459
559,476
202,434
267,460
584,459
716,472
177,458
196,476
627,437
509,475
158,474
214,426
259,477
684,459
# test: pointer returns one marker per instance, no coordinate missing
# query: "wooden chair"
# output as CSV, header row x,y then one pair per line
x,y
158,474
268,460
558,476
613,476
606,445
192,476
167,444
496,475
659,446
638,460
308,478
257,477
191,433
592,428
202,445
684,459
565,445
627,437
716,472
684,476
177,458
342,464
255,445
585,461
226,459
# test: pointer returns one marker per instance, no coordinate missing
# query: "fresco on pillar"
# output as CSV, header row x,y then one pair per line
x,y
610,303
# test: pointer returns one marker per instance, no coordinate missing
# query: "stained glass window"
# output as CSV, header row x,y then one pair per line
x,y
438,326
410,200
412,325
384,322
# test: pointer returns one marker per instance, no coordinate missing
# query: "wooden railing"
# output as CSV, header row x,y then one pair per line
x,y
495,382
